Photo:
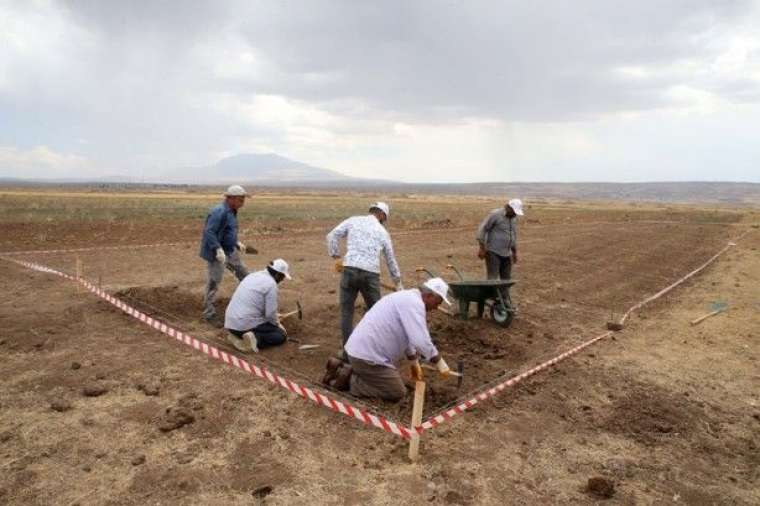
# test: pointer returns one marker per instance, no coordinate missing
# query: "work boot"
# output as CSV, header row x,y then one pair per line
x,y
238,343
331,370
249,338
342,379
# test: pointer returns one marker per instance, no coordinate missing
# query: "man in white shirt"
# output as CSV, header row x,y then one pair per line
x,y
251,318
394,329
366,239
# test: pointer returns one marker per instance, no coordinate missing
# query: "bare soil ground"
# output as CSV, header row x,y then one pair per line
x,y
664,412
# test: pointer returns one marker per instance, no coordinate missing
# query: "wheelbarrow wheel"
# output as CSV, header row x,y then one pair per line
x,y
501,315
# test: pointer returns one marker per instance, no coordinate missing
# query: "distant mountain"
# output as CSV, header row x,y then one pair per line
x,y
266,169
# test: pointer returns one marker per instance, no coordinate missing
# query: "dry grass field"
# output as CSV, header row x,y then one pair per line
x,y
666,412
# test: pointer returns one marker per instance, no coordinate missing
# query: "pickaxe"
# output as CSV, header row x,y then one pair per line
x,y
459,373
298,312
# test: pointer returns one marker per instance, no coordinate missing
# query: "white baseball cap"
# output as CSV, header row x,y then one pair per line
x,y
281,266
235,191
383,207
439,287
517,206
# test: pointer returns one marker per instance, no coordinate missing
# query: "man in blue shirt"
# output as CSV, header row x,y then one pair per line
x,y
221,248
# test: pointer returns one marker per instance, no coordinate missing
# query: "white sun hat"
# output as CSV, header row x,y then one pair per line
x,y
235,191
281,266
439,287
517,206
383,207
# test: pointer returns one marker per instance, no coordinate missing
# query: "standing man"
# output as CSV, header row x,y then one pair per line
x,y
221,248
251,319
366,239
497,237
395,328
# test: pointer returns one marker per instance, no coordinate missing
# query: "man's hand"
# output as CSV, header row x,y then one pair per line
x,y
241,247
443,368
220,256
416,370
338,264
282,327
514,256
481,252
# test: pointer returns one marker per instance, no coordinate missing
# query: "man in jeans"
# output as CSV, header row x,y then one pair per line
x,y
221,248
497,237
366,239
251,319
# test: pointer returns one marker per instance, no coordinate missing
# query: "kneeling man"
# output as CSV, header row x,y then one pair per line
x,y
395,328
251,317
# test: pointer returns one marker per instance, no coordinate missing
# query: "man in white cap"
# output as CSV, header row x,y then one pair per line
x,y
366,238
394,329
251,319
221,248
497,239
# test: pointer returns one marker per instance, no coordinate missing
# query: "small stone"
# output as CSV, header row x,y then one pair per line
x,y
600,487
60,405
138,460
614,326
100,376
86,469
94,390
176,418
76,365
262,491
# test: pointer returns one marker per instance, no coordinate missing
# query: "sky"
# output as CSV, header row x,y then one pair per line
x,y
415,91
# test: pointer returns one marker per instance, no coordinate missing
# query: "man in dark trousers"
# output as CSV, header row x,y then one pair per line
x,y
221,248
497,239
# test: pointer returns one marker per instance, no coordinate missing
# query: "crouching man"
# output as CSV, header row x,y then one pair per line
x,y
251,318
395,328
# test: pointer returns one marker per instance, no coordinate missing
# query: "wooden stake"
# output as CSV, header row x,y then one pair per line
x,y
419,401
705,317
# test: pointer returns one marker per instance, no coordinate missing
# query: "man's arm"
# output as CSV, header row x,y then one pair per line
x,y
485,227
270,306
339,232
212,228
415,326
514,240
390,260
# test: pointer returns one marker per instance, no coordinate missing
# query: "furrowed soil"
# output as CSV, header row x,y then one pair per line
x,y
96,408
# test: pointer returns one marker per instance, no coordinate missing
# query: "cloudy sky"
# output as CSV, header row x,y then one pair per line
x,y
409,90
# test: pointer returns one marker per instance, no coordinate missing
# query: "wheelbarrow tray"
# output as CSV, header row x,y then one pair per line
x,y
479,290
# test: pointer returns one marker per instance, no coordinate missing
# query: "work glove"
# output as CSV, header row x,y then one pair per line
x,y
220,256
416,370
338,265
481,253
399,285
241,247
443,368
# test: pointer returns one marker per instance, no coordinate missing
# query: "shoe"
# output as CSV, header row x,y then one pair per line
x,y
238,343
331,370
249,338
342,380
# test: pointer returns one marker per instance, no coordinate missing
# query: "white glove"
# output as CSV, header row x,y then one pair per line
x,y
443,367
220,256
241,247
399,285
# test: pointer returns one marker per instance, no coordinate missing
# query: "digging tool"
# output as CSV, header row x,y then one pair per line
x,y
459,373
298,312
717,308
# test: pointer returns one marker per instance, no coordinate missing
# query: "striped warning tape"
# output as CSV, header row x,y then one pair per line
x,y
232,360
94,248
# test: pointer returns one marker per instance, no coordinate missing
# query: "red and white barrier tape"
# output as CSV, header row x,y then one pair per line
x,y
94,248
232,360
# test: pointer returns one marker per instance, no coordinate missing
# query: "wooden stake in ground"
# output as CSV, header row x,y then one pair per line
x,y
419,401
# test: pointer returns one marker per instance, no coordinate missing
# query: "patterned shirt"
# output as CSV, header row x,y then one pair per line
x,y
395,328
367,238
253,303
498,233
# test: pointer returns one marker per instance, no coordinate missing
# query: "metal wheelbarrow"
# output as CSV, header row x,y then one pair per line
x,y
484,292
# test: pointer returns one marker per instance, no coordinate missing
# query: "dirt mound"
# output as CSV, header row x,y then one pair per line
x,y
170,301
650,415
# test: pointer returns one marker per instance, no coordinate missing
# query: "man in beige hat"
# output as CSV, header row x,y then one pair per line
x,y
220,247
